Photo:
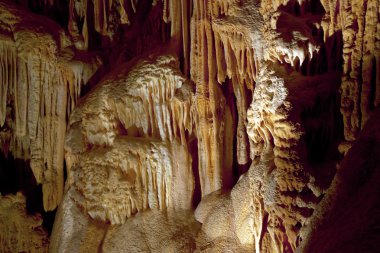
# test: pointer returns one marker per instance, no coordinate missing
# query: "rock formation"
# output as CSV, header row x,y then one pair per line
x,y
20,232
41,81
191,126
130,154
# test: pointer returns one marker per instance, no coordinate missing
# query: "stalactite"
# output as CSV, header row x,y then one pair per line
x,y
140,182
359,24
238,51
209,101
242,137
151,103
274,127
276,140
123,14
151,100
8,74
37,83
132,141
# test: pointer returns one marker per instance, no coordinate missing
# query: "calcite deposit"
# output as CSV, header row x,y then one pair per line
x,y
20,232
190,125
131,154
41,80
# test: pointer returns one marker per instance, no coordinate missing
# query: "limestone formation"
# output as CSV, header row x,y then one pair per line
x,y
149,231
41,80
358,22
193,126
20,232
350,208
74,230
130,153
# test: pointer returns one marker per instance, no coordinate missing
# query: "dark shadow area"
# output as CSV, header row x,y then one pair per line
x,y
350,218
328,58
324,131
314,7
48,220
323,122
324,127
16,175
231,103
145,31
58,11
294,7
193,150
372,95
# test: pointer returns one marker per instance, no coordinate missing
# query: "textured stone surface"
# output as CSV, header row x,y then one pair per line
x,y
348,217
41,80
154,231
127,146
20,232
73,230
212,126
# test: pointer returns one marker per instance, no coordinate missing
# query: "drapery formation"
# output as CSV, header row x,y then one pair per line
x,y
241,111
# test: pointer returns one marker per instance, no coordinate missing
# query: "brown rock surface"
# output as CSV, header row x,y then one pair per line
x,y
192,126
41,80
347,218
20,232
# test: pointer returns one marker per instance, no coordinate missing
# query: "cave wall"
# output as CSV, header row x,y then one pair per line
x,y
224,121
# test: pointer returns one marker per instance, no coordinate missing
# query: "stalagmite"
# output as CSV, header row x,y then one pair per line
x,y
20,232
273,126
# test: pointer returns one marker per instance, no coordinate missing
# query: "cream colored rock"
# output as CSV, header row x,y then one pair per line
x,y
75,231
234,39
266,76
41,79
243,210
207,204
269,204
219,220
127,142
150,99
149,231
244,38
281,176
20,232
153,231
112,184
